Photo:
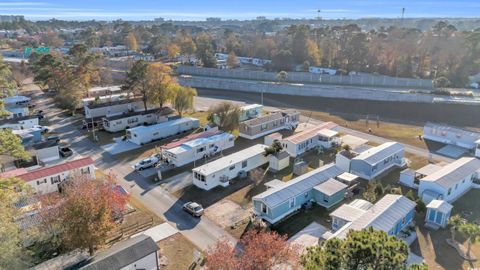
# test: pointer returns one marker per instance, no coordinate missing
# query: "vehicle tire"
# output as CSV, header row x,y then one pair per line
x,y
140,169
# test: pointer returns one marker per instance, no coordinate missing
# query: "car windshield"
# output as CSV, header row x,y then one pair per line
x,y
198,208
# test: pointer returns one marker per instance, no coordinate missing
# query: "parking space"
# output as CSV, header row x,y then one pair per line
x,y
226,213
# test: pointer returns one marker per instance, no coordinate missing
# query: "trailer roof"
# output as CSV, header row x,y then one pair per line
x,y
162,125
232,159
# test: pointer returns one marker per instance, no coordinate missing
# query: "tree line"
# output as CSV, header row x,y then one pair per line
x,y
72,75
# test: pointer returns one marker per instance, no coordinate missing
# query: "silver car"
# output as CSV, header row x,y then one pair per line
x,y
193,208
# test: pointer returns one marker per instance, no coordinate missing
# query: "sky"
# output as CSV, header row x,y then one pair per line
x,y
235,9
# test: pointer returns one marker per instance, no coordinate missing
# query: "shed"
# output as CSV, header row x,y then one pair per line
x,y
279,161
438,213
347,178
329,193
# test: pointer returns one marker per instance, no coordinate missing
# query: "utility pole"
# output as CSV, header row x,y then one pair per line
x,y
403,14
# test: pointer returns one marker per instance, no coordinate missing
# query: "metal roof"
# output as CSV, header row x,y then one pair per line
x,y
330,187
310,132
162,125
327,133
94,105
347,177
428,169
299,185
208,140
348,212
159,111
122,254
224,162
456,130
274,183
454,172
383,215
263,119
440,205
64,167
376,154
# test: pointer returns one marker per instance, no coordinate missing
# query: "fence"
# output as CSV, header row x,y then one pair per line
x,y
310,78
345,92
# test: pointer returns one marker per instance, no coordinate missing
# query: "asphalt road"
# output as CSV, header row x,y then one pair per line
x,y
200,231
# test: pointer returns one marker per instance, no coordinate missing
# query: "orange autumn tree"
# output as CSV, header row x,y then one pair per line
x,y
257,250
86,211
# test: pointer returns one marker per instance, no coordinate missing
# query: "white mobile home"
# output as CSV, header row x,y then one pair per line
x,y
450,135
105,91
477,149
145,134
24,122
198,148
119,122
221,171
94,110
263,125
451,181
305,140
47,180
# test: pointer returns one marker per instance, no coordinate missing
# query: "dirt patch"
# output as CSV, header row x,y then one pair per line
x,y
176,252
226,213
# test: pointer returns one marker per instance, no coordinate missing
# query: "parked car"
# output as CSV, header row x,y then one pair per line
x,y
65,151
43,128
193,208
152,161
53,138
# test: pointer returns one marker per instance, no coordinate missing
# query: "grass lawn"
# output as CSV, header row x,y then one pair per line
x,y
201,116
403,133
302,219
417,162
432,245
178,251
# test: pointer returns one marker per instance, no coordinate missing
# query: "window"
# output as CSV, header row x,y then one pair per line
x,y
374,168
404,220
456,186
263,208
232,168
463,181
325,199
230,139
55,179
292,202
244,164
201,149
449,191
85,170
305,195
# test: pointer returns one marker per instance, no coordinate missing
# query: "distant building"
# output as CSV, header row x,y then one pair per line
x,y
11,18
213,19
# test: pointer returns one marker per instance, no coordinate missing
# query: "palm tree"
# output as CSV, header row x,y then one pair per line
x,y
347,148
455,223
472,232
